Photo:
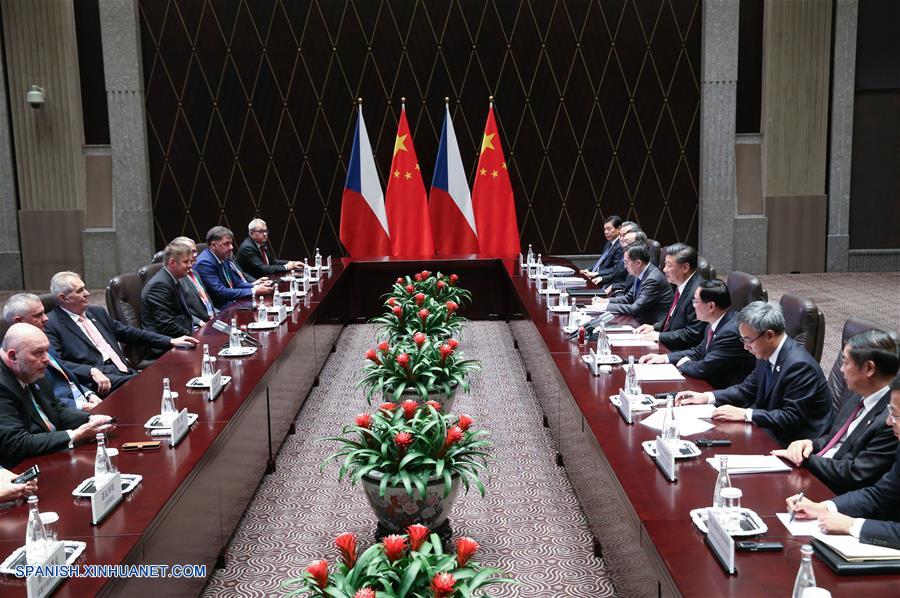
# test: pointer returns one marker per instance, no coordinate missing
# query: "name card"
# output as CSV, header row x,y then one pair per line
x,y
593,363
721,544
38,587
665,458
625,407
282,314
215,385
179,427
107,496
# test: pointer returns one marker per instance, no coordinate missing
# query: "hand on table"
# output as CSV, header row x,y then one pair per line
x,y
13,492
690,397
653,358
184,342
835,523
95,425
805,508
796,452
728,413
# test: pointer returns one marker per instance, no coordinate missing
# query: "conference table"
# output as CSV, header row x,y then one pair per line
x,y
193,495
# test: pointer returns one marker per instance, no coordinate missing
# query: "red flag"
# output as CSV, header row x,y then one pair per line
x,y
407,206
492,197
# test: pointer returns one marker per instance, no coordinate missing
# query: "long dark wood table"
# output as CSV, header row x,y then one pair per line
x,y
192,496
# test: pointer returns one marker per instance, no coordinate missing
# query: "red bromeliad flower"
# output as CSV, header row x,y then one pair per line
x,y
387,407
364,593
439,276
442,585
417,534
420,338
465,548
454,279
423,314
346,543
398,311
384,346
391,301
445,351
454,435
420,298
409,408
464,422
434,405
425,274
364,420
319,571
403,440
371,356
400,280
410,289
453,342
452,306
441,284
394,547
403,360
417,277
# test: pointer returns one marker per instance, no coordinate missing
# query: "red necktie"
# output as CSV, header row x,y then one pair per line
x,y
265,257
840,433
709,335
671,310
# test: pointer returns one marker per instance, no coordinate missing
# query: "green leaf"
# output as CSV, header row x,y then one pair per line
x,y
408,578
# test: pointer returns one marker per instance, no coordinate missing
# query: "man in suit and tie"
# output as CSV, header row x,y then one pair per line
x,y
196,295
164,308
85,337
681,329
649,298
719,357
871,514
609,268
858,449
221,276
255,255
27,308
786,393
32,421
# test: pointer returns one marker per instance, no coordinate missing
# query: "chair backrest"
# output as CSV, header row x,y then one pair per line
x,y
836,382
705,269
745,289
804,323
48,300
148,272
158,257
123,300
654,247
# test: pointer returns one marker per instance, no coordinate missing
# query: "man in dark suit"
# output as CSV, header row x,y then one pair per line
x,y
86,338
786,392
627,238
719,357
255,255
220,275
609,268
195,293
858,449
164,308
870,514
681,329
32,421
27,308
649,297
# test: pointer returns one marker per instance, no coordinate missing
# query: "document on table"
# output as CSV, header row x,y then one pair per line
x,y
592,308
569,281
655,372
853,550
632,342
687,426
738,464
799,527
704,411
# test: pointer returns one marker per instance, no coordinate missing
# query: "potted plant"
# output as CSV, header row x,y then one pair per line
x,y
439,287
418,313
410,459
412,565
420,367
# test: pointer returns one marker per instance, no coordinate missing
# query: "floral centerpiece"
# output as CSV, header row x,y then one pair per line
x,y
413,565
420,366
411,459
423,303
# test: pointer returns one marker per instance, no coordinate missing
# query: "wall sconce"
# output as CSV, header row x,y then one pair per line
x,y
35,97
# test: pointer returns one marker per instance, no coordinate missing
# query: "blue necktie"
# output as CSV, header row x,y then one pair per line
x,y
602,257
637,286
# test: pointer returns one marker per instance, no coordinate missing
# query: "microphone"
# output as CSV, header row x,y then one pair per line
x,y
603,318
226,328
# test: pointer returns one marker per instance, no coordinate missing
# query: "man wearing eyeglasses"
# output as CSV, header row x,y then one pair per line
x,y
255,255
786,392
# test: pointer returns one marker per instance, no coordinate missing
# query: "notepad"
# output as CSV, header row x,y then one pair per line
x,y
687,426
739,464
799,527
695,411
631,343
855,551
654,372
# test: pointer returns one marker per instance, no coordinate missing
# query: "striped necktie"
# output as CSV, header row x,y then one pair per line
x,y
47,423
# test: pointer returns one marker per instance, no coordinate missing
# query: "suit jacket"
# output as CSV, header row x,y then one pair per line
x,y
60,385
163,306
194,302
611,265
651,303
725,362
880,505
866,454
797,404
78,353
212,273
22,431
249,258
684,329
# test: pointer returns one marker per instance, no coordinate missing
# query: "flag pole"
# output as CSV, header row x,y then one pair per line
x,y
403,104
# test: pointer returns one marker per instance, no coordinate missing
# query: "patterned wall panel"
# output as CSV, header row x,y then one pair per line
x,y
250,108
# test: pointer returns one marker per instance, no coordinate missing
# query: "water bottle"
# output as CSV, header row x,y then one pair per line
x,y
206,367
306,271
167,411
670,424
530,256
631,383
805,576
563,296
234,337
102,465
253,300
305,285
262,313
573,313
550,286
722,481
539,268
603,341
318,260
36,544
276,300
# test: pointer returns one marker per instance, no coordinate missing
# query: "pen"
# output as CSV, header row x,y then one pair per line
x,y
793,512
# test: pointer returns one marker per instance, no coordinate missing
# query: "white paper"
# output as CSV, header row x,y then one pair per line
x,y
631,343
651,372
704,411
687,426
592,308
799,527
623,336
852,549
738,464
619,328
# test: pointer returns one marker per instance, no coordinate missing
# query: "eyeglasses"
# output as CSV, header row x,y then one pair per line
x,y
892,419
262,231
749,341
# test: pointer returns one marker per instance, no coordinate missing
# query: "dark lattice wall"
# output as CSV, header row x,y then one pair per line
x,y
250,108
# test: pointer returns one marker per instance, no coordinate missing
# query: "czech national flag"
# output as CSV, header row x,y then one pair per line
x,y
450,203
364,224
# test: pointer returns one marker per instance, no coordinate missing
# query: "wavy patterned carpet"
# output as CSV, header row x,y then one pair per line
x,y
529,523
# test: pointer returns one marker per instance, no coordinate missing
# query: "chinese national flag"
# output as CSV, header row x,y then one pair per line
x,y
407,206
492,197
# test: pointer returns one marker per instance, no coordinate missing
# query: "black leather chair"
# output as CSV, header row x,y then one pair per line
x,y
148,272
836,382
123,300
654,247
745,289
804,323
158,256
705,269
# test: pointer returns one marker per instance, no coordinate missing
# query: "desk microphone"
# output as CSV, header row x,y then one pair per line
x,y
226,328
603,319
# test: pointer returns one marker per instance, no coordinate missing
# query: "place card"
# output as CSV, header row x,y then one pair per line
x,y
720,542
215,385
180,427
39,587
625,407
106,497
665,459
